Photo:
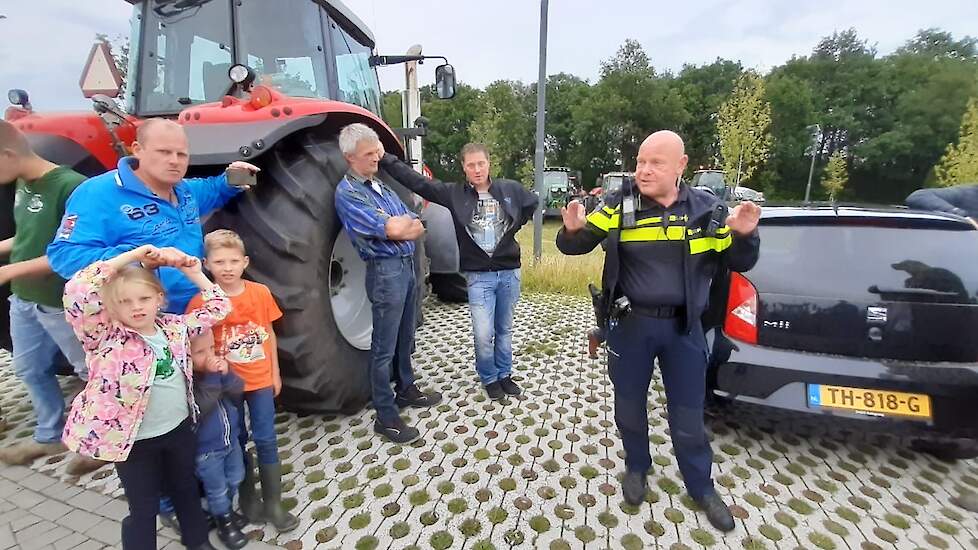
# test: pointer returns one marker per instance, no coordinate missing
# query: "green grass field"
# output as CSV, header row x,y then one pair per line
x,y
557,273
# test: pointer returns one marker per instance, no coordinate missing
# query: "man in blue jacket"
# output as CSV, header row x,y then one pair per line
x,y
146,201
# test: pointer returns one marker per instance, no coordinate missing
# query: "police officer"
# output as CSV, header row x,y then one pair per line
x,y
665,243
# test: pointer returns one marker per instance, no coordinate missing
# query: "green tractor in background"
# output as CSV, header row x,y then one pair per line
x,y
561,185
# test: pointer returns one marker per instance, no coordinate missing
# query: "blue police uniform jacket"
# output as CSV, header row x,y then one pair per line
x,y
115,212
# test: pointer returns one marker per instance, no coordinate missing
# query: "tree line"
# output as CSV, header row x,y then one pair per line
x,y
878,126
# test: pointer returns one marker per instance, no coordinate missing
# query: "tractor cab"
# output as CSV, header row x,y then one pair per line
x,y
182,50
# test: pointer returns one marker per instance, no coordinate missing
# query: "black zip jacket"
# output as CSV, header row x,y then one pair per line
x,y
461,199
700,262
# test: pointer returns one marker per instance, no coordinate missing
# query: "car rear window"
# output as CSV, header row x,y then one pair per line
x,y
845,261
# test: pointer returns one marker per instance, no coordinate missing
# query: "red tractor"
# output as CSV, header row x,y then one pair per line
x,y
271,83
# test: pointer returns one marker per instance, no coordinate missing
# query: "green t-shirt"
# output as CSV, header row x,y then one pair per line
x,y
38,208
167,406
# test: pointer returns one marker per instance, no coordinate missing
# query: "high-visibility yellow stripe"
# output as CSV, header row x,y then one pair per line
x,y
644,234
602,221
706,244
723,231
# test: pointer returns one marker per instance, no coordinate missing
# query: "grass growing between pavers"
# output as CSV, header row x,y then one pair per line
x,y
556,273
540,470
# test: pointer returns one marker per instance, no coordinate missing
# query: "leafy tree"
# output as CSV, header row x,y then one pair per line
x,y
703,89
743,125
836,176
960,163
448,129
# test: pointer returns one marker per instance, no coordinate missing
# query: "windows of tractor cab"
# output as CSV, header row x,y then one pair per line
x,y
283,42
186,57
357,80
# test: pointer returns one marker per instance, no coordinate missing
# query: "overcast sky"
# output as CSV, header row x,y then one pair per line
x,y
44,43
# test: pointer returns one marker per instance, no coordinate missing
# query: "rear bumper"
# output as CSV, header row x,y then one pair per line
x,y
777,378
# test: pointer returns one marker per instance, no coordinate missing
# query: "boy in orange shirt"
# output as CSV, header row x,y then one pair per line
x,y
246,340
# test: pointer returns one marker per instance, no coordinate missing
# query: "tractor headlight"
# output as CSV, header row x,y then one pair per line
x,y
241,74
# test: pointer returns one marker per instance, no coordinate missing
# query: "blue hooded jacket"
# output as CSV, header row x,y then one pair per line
x,y
218,396
115,212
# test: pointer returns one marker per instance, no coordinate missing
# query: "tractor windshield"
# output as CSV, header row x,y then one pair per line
x,y
283,42
184,49
185,52
556,181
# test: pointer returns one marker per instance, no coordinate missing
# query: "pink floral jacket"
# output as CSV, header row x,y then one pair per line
x,y
105,417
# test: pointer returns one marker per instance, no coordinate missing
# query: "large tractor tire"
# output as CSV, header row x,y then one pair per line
x,y
299,250
450,287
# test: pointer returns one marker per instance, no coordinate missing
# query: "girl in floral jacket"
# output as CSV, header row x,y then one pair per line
x,y
137,409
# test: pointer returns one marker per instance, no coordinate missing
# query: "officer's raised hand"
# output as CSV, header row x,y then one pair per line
x,y
574,215
743,218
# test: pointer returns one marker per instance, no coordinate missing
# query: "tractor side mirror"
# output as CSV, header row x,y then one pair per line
x,y
19,97
445,81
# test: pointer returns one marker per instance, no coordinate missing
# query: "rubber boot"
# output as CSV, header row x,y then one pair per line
x,y
271,491
230,535
248,498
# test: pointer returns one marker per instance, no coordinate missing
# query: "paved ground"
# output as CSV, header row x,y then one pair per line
x,y
539,471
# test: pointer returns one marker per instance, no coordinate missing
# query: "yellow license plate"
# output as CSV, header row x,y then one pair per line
x,y
881,402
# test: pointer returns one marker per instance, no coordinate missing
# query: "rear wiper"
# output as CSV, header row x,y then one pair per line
x,y
912,291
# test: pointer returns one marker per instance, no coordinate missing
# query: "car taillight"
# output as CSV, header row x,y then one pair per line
x,y
741,320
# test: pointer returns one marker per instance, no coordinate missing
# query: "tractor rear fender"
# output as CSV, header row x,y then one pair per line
x,y
221,133
77,139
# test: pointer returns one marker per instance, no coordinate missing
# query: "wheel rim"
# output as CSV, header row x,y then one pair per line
x,y
348,293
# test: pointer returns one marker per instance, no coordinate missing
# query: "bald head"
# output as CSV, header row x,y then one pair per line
x,y
156,126
665,140
660,163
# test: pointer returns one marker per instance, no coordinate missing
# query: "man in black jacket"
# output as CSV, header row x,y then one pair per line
x,y
487,214
666,241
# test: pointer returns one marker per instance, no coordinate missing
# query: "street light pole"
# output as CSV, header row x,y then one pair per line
x,y
541,116
816,133
811,170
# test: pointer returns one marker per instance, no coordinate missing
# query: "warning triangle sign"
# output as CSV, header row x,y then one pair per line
x,y
100,75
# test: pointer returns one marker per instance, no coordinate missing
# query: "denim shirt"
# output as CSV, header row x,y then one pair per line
x,y
364,208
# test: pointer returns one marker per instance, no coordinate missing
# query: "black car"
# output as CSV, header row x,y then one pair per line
x,y
866,314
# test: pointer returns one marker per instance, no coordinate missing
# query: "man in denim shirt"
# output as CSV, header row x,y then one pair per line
x,y
383,230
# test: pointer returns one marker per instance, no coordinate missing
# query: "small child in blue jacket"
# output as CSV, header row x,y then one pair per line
x,y
220,461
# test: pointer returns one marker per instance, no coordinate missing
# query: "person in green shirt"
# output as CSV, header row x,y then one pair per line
x,y
38,328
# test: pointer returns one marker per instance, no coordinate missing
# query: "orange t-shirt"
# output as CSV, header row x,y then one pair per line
x,y
242,337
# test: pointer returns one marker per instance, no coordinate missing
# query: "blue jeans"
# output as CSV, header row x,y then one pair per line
x,y
38,333
492,300
221,472
390,289
633,345
261,413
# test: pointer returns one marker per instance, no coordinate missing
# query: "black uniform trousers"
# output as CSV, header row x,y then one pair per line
x,y
633,345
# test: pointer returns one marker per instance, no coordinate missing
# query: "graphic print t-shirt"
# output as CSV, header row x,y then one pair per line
x,y
242,339
167,406
488,224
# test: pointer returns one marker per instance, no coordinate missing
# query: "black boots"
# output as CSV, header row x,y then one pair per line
x,y
271,491
717,512
633,487
229,533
